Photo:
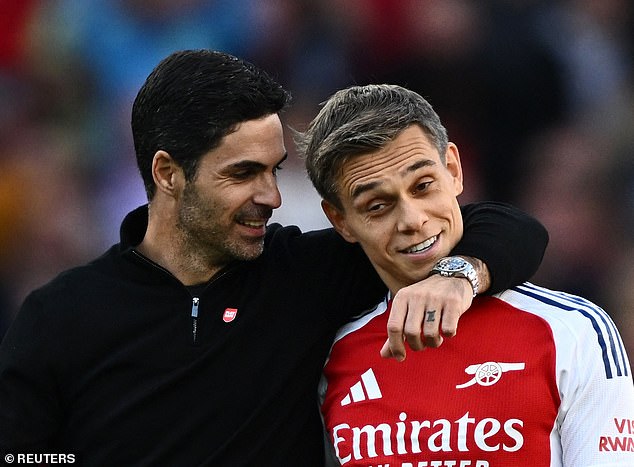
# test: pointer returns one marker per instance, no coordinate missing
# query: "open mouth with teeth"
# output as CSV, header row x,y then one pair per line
x,y
253,224
254,228
420,247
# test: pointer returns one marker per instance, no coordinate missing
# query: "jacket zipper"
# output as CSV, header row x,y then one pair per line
x,y
195,303
195,300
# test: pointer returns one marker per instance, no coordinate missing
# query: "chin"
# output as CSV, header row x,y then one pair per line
x,y
250,252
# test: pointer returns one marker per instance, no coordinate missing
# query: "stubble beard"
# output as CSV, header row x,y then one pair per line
x,y
204,237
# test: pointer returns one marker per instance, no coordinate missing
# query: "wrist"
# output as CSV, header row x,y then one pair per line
x,y
482,270
457,266
484,276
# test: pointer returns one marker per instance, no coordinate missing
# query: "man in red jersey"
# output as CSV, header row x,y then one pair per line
x,y
533,377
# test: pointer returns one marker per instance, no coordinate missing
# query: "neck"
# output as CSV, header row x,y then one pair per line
x,y
164,244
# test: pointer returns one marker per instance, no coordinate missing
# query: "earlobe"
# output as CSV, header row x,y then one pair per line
x,y
338,221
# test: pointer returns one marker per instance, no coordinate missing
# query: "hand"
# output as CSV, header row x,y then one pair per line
x,y
433,305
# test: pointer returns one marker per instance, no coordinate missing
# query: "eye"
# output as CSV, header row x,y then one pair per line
x,y
421,186
277,168
376,207
242,174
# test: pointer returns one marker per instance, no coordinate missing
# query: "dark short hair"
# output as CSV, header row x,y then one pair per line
x,y
191,100
362,119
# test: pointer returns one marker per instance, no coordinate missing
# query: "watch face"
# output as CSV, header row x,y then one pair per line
x,y
453,264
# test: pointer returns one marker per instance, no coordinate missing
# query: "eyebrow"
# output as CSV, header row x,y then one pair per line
x,y
421,163
255,165
363,187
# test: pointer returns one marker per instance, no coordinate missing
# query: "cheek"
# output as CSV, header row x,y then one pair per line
x,y
219,206
232,198
375,236
457,220
365,230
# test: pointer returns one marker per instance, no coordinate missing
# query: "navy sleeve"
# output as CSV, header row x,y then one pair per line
x,y
508,240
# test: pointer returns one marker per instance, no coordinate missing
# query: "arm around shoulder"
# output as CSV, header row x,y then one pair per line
x,y
509,241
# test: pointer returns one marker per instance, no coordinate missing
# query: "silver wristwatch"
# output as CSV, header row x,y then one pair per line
x,y
455,266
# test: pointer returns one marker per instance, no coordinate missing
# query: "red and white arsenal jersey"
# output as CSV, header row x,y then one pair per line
x,y
533,378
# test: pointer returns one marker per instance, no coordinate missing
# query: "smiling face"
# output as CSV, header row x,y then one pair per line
x,y
400,204
225,208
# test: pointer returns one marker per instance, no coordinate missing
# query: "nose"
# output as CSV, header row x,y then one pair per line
x,y
411,215
267,192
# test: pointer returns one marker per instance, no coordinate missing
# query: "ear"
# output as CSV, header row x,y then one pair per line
x,y
167,173
454,167
338,220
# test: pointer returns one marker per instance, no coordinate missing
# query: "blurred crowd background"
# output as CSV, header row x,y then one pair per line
x,y
538,95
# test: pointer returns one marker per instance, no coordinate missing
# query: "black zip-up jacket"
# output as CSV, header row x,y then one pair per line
x,y
118,363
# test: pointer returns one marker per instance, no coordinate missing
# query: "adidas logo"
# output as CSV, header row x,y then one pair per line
x,y
367,388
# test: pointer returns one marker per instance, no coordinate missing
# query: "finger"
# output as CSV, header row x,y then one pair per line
x,y
431,328
386,352
395,325
414,326
449,324
453,310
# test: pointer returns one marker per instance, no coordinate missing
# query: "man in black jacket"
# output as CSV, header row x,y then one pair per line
x,y
199,339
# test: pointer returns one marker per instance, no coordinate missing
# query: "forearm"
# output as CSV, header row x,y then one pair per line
x,y
507,243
